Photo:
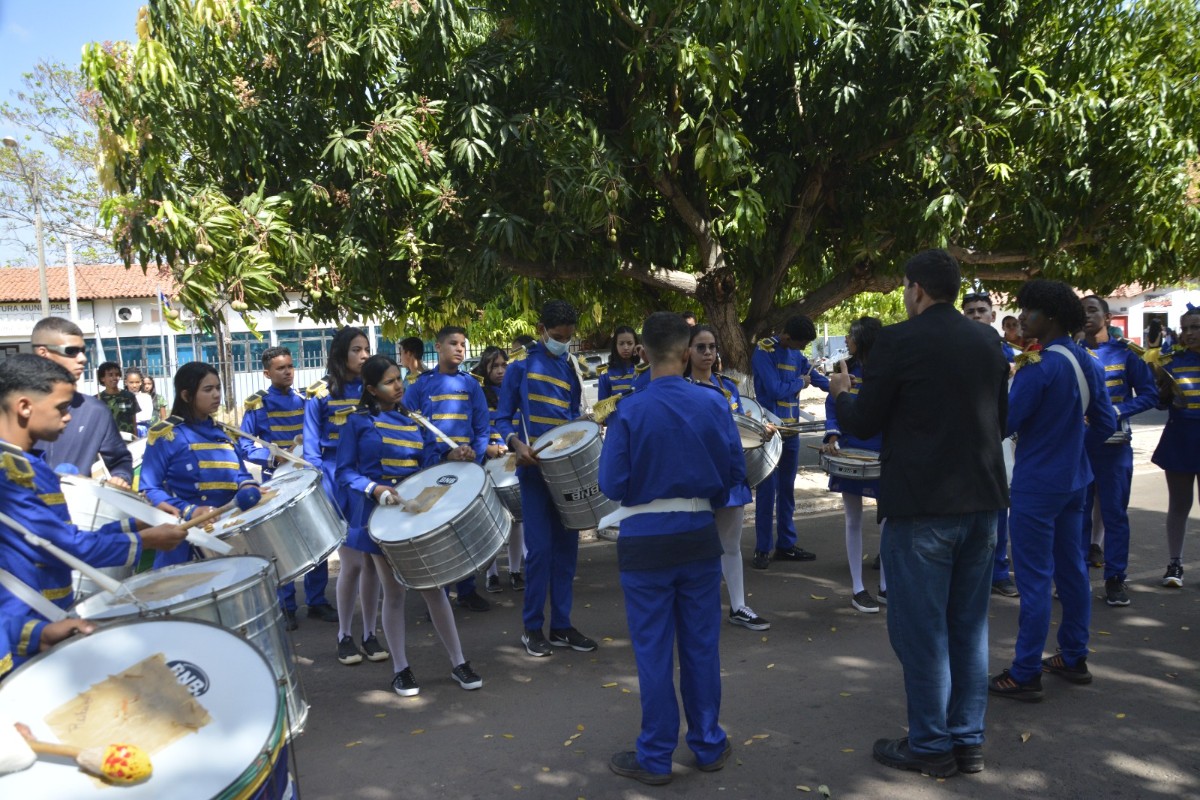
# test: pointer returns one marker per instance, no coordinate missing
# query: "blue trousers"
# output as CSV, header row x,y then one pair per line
x,y
775,501
1001,563
1112,464
315,583
665,605
1046,530
552,554
939,570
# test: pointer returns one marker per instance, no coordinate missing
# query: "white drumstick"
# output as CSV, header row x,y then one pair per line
x,y
144,512
274,448
419,418
102,580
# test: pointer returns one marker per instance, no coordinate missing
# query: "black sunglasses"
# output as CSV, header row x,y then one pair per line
x,y
70,351
973,297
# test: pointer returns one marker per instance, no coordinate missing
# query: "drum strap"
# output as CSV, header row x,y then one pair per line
x,y
1084,395
662,506
30,596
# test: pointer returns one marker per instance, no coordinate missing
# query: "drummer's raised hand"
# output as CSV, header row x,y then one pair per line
x,y
119,482
461,453
525,454
163,537
839,381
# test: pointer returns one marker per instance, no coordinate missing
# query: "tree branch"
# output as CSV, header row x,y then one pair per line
x,y
668,279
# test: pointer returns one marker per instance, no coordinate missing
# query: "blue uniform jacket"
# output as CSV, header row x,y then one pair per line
x,y
374,449
616,379
779,374
189,464
31,494
541,389
671,440
454,404
831,424
1184,366
1045,411
1128,379
20,637
273,415
739,495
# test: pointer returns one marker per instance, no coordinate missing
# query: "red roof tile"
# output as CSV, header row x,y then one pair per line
x,y
92,282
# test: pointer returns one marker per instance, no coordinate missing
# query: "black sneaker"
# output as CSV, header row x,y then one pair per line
x,y
1114,592
323,612
466,677
1005,588
969,758
627,765
473,602
405,683
493,584
516,582
875,563
569,637
881,597
746,617
1174,575
290,622
348,653
865,603
761,560
717,763
1095,556
373,649
794,554
1005,685
536,644
1078,673
895,753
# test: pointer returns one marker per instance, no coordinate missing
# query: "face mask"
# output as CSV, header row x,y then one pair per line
x,y
555,347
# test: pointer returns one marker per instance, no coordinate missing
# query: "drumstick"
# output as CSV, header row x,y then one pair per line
x,y
118,763
844,454
246,498
419,418
274,448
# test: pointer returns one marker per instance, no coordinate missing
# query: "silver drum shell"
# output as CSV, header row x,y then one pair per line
x,y
573,480
760,461
508,488
852,468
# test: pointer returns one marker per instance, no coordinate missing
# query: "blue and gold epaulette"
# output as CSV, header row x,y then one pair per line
x,y
15,464
255,401
163,430
519,354
767,345
478,378
640,368
1028,357
600,370
317,390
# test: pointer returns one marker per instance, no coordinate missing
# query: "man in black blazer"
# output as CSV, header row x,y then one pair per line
x,y
936,386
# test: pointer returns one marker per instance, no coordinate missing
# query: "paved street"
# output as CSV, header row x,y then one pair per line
x,y
802,702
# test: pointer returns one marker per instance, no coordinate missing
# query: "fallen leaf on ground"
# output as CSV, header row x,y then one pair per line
x,y
352,744
816,597
761,736
1120,716
1025,737
418,730
844,694
824,790
508,736
847,749
803,788
579,727
608,685
770,666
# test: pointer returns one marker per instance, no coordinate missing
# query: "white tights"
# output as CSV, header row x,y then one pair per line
x,y
516,551
354,579
440,612
729,529
854,542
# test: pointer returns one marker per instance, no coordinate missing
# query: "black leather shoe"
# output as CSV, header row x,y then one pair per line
x,y
718,762
290,621
969,758
627,765
323,612
794,554
895,753
761,560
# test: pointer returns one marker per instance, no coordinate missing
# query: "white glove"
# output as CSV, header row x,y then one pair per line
x,y
390,499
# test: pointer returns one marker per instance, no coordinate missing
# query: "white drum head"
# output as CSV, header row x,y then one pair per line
x,y
751,408
231,682
752,432
451,486
170,586
288,487
503,470
568,439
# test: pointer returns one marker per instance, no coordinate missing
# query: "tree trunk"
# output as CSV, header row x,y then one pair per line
x,y
717,292
224,360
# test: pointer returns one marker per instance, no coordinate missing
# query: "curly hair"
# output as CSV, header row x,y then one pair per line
x,y
1056,300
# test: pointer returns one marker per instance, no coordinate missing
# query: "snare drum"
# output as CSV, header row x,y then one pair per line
x,y
209,714
503,472
864,468
237,593
571,469
298,528
86,504
762,455
460,529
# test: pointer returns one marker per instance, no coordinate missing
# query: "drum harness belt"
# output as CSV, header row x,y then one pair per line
x,y
30,596
660,506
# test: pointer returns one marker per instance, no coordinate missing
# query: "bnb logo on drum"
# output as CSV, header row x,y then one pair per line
x,y
447,480
190,677
582,494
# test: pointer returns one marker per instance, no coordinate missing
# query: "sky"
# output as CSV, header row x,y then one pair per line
x,y
55,30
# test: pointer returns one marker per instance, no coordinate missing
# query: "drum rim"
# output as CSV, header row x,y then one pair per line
x,y
314,483
187,603
855,451
573,449
450,467
278,729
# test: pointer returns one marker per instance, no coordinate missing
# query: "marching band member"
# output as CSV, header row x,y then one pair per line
x,y
1131,389
276,415
35,400
1178,451
542,390
191,466
412,353
672,453
780,373
862,335
1052,394
327,404
378,448
618,377
702,354
453,401
490,371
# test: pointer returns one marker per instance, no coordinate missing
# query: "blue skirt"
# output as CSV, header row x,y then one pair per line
x,y
851,486
359,539
1179,448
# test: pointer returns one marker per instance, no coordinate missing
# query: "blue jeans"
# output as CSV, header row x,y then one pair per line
x,y
939,571
665,606
1112,464
775,501
1046,530
1000,570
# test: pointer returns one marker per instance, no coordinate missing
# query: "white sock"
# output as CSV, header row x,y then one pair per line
x,y
729,529
393,611
443,622
854,513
